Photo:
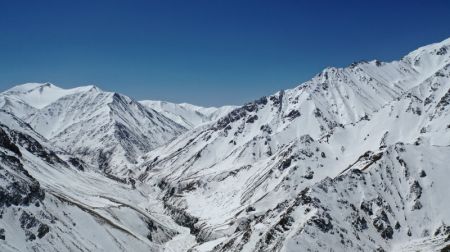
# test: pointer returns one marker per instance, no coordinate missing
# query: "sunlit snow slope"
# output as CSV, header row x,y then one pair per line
x,y
241,180
52,201
188,115
106,129
356,159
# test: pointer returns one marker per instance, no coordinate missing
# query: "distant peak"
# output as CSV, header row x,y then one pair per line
x,y
46,85
445,42
90,88
28,87
326,73
39,95
438,50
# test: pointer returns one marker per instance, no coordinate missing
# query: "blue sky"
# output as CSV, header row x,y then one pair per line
x,y
205,52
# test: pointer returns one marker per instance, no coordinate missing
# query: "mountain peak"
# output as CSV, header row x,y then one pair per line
x,y
30,86
427,58
91,88
186,114
39,95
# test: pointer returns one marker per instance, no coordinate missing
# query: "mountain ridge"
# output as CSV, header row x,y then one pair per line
x,y
56,113
251,149
352,160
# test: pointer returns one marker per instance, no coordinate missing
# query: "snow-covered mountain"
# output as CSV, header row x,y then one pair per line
x,y
188,115
356,159
235,178
106,129
52,201
39,95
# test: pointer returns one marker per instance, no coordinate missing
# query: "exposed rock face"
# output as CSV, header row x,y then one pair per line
x,y
6,143
18,187
18,190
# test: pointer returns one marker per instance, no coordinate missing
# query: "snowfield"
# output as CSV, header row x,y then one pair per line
x,y
356,159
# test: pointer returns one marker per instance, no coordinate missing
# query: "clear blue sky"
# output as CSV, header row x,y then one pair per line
x,y
205,52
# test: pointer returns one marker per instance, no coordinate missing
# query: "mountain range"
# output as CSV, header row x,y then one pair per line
x,y
355,159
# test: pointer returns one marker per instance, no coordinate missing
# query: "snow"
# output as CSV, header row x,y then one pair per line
x,y
353,160
187,115
220,170
91,211
39,95
103,128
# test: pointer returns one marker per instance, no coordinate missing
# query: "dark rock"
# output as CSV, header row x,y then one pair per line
x,y
447,247
381,223
323,223
285,164
239,113
306,139
360,224
441,51
14,163
423,174
250,209
445,100
183,218
443,229
367,207
387,233
266,128
384,217
132,182
33,146
77,163
115,178
6,143
293,114
151,227
317,113
243,225
302,198
29,236
17,191
28,220
252,119
286,222
43,230
309,174
416,189
417,205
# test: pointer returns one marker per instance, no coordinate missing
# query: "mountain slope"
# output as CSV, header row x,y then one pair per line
x,y
39,95
353,160
51,201
268,151
386,205
187,115
106,129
